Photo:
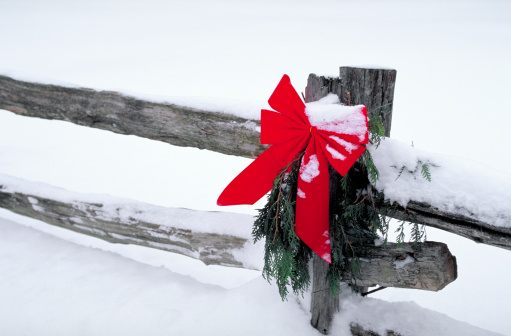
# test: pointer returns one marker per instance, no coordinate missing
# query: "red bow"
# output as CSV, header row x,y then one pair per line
x,y
331,133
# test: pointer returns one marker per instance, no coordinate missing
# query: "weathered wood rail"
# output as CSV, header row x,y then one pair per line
x,y
112,111
464,226
183,126
186,232
129,222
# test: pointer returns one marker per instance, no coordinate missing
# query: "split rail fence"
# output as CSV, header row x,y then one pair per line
x,y
434,267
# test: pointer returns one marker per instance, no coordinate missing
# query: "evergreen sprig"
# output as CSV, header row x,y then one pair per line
x,y
286,257
423,167
375,124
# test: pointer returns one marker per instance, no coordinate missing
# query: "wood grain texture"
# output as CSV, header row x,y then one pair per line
x,y
428,266
93,220
470,228
106,110
358,330
323,305
373,88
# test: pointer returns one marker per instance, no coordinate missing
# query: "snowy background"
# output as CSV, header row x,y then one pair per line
x,y
452,59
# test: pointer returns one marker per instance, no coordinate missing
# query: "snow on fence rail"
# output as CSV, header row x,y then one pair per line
x,y
213,237
220,132
112,111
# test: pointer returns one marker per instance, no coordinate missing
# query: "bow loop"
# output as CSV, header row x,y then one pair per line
x,y
286,100
277,127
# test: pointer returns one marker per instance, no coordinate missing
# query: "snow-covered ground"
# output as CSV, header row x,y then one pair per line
x,y
54,286
453,70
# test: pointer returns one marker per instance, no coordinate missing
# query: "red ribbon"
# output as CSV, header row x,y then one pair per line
x,y
332,136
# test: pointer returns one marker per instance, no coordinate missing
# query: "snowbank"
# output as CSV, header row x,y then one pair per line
x,y
55,287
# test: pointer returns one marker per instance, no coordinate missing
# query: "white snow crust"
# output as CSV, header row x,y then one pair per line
x,y
402,263
309,170
329,115
458,185
222,223
335,154
380,316
248,109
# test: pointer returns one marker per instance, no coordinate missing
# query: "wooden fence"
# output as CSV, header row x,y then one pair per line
x,y
187,127
134,223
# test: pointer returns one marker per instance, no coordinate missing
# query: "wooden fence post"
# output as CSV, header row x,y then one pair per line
x,y
373,88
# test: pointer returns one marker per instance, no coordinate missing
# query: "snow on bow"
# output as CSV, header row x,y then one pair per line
x,y
329,133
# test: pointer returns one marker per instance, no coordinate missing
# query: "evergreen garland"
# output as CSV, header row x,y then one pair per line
x,y
357,214
286,257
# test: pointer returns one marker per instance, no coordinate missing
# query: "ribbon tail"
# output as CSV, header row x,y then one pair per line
x,y
257,179
312,202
